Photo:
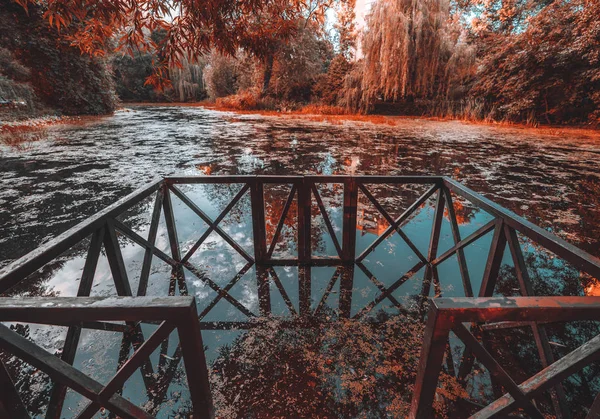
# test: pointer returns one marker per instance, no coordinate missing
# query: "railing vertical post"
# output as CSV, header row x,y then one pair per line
x,y
304,291
11,405
264,290
430,364
177,272
304,221
257,200
349,221
346,286
196,369
434,241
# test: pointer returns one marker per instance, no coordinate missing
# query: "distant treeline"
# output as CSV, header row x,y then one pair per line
x,y
519,61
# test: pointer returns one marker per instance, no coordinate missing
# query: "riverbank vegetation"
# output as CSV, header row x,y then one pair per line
x,y
508,60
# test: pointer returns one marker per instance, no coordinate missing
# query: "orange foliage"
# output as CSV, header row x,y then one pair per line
x,y
205,169
189,30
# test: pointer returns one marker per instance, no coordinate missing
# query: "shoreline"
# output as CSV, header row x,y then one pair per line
x,y
385,120
390,121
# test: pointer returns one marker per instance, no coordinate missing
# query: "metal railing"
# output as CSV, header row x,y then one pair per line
x,y
104,229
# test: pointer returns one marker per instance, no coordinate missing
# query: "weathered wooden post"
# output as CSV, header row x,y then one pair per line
x,y
349,221
257,201
304,221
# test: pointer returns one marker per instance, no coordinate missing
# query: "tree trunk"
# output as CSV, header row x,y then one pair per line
x,y
268,62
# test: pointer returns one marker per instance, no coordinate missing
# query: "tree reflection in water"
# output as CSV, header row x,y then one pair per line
x,y
328,368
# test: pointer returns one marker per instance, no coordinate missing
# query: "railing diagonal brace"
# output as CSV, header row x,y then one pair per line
x,y
212,225
57,397
147,263
462,263
389,290
282,291
280,224
139,356
328,224
476,235
64,373
559,399
230,285
398,222
129,233
391,222
547,378
328,289
218,289
496,370
382,288
115,260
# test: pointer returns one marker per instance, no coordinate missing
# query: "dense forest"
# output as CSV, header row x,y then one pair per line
x,y
499,60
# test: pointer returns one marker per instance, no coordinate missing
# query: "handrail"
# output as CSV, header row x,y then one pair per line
x,y
171,313
450,314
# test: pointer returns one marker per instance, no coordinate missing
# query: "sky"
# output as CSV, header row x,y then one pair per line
x,y
361,9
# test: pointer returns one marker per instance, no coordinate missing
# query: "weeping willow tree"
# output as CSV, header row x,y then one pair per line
x,y
187,81
409,47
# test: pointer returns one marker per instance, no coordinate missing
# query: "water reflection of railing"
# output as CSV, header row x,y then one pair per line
x,y
306,198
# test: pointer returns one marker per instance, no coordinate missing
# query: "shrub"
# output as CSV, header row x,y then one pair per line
x,y
220,75
61,76
11,68
248,100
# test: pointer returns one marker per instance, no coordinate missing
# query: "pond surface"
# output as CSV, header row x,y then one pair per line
x,y
53,178
70,172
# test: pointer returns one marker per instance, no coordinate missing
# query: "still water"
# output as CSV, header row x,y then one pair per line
x,y
53,178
